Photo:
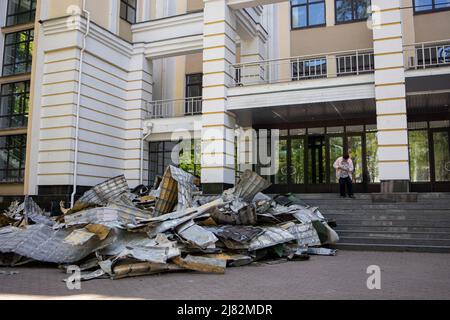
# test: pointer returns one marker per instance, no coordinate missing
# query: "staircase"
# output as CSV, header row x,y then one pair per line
x,y
422,224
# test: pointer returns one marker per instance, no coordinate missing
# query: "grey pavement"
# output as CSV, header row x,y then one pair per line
x,y
403,276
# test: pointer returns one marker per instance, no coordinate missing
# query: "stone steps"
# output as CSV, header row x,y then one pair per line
x,y
417,222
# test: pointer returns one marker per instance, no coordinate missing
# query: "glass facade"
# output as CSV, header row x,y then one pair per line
x,y
351,10
307,13
20,11
306,157
431,5
429,152
128,10
18,52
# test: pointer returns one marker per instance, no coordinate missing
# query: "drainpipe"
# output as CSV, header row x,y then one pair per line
x,y
77,124
147,132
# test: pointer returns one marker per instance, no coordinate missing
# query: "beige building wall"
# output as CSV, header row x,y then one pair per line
x,y
194,5
194,63
60,8
125,30
341,37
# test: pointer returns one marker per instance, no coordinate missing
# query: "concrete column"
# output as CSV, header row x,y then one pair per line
x,y
219,53
390,96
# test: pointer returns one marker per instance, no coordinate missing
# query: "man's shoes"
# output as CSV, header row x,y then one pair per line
x,y
352,197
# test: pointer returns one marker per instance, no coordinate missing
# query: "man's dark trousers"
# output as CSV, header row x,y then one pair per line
x,y
346,182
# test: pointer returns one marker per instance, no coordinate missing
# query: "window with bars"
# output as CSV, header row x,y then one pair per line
x,y
128,10
307,13
422,6
12,158
351,10
14,102
20,11
18,52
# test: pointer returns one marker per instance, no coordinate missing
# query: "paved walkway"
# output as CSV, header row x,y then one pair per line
x,y
403,276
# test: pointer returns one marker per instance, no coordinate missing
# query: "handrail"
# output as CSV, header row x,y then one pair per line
x,y
426,42
166,108
334,64
304,56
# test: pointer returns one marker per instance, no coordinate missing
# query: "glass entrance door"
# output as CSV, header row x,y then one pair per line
x,y
306,157
316,160
429,158
440,156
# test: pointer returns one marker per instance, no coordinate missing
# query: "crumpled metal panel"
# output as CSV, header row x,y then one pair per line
x,y
147,254
199,236
271,236
241,234
306,215
173,220
305,233
102,193
249,185
42,243
176,189
245,216
34,213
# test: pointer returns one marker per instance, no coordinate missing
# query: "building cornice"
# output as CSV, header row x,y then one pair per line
x,y
78,23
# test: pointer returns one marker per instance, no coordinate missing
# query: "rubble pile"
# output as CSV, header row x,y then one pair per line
x,y
114,232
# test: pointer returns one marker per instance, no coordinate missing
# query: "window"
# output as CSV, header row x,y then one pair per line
x,y
431,5
128,10
307,13
194,88
352,10
184,154
18,53
12,158
190,157
14,102
20,11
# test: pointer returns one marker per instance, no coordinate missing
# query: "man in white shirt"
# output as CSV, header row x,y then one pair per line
x,y
344,172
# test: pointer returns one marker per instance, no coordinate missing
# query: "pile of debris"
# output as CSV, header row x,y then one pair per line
x,y
115,232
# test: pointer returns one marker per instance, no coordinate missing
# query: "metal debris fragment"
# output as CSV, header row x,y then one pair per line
x,y
113,232
41,243
241,234
102,193
202,264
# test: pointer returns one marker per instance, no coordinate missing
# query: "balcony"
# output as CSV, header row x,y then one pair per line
x,y
162,109
329,65
427,55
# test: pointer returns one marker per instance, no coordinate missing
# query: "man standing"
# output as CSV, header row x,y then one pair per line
x,y
344,171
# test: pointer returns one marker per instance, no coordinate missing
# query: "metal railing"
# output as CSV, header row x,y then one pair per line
x,y
427,54
329,65
175,107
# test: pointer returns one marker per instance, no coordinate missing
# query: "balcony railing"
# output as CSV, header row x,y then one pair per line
x,y
174,108
327,65
428,54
